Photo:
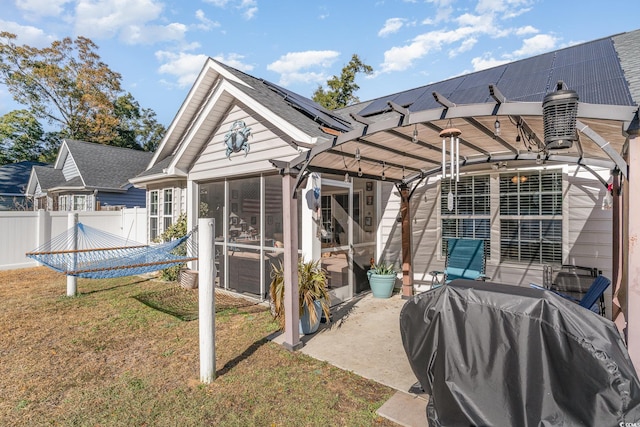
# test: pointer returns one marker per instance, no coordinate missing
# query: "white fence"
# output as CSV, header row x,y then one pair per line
x,y
21,232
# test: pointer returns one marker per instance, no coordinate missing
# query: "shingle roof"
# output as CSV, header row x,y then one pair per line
x,y
273,97
158,167
14,177
48,177
105,166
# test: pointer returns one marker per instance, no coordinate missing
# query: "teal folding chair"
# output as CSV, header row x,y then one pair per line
x,y
465,260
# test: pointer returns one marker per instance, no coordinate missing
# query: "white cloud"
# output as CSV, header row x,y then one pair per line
x,y
130,20
205,23
42,7
183,66
465,46
526,30
248,8
391,25
536,44
482,63
234,60
27,34
292,65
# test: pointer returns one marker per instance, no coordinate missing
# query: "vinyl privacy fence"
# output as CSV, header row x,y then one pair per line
x,y
21,232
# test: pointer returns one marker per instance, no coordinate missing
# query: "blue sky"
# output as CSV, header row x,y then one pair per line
x,y
159,46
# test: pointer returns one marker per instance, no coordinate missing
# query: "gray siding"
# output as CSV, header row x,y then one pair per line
x,y
134,197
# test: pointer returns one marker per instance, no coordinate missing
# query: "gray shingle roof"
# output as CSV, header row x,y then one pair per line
x,y
105,166
48,177
158,167
266,95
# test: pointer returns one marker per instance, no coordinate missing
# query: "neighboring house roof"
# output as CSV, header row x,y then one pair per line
x,y
14,177
90,166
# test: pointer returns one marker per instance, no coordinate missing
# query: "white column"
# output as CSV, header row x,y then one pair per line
x,y
311,219
290,237
72,226
631,270
206,300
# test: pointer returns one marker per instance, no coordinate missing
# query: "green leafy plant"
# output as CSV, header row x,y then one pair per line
x,y
176,230
312,286
382,268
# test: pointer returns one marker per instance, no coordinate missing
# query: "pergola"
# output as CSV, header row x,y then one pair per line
x,y
399,139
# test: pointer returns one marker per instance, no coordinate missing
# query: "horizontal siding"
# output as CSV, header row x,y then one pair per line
x,y
264,145
588,230
134,197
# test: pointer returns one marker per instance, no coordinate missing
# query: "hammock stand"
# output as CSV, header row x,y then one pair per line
x,y
84,251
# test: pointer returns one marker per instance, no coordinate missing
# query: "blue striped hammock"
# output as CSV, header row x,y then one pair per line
x,y
97,254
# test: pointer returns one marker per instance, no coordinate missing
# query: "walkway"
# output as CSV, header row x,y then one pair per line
x,y
364,338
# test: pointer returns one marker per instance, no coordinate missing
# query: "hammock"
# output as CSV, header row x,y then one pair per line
x,y
87,252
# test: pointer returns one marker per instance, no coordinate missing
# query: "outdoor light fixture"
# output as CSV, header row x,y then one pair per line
x,y
559,111
496,127
415,134
346,177
358,153
538,159
359,171
521,178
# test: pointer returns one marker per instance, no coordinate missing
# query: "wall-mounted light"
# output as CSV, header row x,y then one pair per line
x,y
521,178
414,139
496,128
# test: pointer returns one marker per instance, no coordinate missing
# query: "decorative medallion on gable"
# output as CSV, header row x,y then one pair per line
x,y
237,139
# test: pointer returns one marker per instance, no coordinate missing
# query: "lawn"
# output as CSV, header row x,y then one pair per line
x,y
124,353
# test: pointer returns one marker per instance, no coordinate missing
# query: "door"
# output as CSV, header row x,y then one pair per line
x,y
345,263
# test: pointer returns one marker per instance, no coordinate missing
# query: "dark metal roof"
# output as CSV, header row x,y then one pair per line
x,y
14,177
592,69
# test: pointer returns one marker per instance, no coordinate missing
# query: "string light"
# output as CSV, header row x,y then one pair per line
x,y
382,177
414,139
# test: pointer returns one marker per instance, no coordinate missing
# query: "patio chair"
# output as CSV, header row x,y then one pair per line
x,y
465,260
594,298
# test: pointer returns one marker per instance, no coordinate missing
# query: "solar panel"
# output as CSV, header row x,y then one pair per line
x,y
309,107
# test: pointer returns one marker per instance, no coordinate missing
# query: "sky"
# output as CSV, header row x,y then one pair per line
x,y
160,46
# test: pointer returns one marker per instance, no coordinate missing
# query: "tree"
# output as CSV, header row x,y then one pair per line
x,y
341,89
20,137
69,86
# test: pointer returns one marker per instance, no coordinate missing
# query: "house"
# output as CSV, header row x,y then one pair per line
x,y
533,157
13,182
88,177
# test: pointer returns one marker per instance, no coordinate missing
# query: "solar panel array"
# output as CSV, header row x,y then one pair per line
x,y
581,67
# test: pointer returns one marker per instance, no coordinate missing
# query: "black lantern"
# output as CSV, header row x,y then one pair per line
x,y
559,111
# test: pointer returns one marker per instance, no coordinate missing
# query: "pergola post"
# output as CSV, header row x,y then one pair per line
x,y
290,236
72,226
631,273
207,299
407,267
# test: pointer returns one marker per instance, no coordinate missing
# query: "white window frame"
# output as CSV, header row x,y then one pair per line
x,y
460,218
153,214
548,196
167,208
79,202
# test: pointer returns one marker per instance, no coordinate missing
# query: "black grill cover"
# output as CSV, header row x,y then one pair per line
x,y
490,354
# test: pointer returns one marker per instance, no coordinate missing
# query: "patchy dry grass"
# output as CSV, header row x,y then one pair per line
x,y
103,358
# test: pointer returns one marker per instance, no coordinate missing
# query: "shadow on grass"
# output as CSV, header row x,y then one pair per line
x,y
110,288
244,355
183,303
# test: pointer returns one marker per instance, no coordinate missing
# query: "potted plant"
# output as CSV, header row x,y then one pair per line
x,y
312,292
382,279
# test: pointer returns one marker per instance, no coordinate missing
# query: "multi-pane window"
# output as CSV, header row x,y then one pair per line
x,y
153,214
79,202
63,203
531,217
167,211
466,212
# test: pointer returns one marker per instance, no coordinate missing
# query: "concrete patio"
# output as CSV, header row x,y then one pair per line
x,y
364,338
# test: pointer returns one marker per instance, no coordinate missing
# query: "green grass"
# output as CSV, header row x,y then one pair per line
x,y
104,358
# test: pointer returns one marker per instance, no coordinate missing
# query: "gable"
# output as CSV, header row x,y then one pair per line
x,y
264,144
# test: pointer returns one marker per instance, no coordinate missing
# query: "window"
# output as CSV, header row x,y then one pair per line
x,y
470,216
153,214
63,203
531,217
79,203
167,210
